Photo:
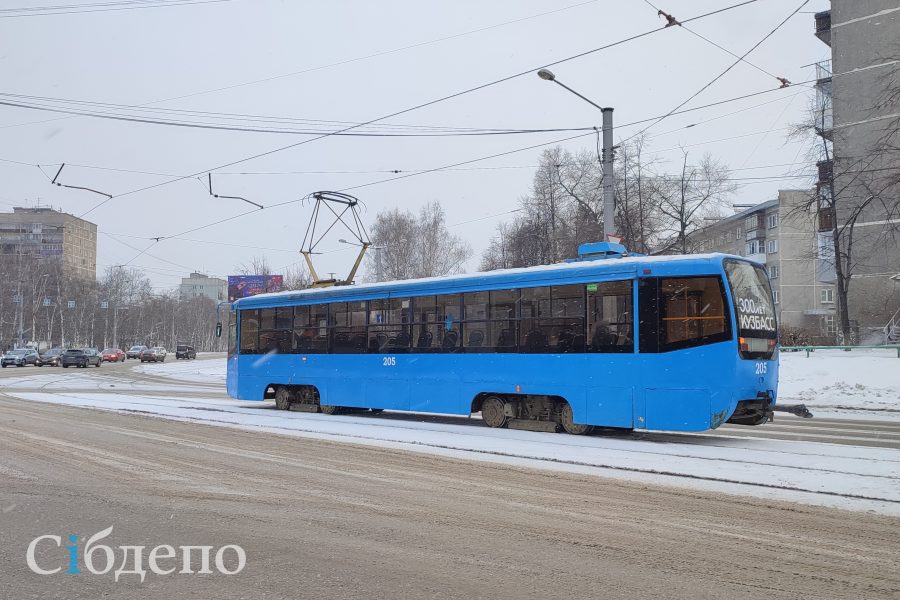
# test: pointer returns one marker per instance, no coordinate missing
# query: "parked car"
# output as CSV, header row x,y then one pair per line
x,y
20,358
52,357
135,351
155,354
81,357
113,355
185,351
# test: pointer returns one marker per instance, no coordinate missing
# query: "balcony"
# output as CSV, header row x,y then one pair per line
x,y
823,26
760,258
824,108
756,234
826,171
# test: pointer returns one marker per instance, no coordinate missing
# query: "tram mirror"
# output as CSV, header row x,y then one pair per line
x,y
219,329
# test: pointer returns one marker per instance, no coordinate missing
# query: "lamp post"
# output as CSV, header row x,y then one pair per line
x,y
609,206
379,274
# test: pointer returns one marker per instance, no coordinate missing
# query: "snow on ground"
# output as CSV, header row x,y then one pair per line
x,y
838,382
857,478
91,379
832,383
861,383
210,371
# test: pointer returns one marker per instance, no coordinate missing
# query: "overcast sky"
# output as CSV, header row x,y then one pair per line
x,y
140,57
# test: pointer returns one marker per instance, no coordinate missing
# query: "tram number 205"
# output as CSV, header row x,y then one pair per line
x,y
761,368
389,361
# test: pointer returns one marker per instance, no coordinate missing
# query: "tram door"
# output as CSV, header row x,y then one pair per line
x,y
610,342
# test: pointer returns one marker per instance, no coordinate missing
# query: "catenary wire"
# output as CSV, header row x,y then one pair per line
x,y
111,7
723,73
416,107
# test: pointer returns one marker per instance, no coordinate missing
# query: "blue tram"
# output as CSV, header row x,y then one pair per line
x,y
676,343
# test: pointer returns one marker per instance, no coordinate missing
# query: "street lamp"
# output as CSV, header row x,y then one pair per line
x,y
379,275
609,207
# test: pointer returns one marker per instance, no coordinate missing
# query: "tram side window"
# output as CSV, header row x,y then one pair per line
x,y
504,325
249,331
275,329
552,319
689,311
476,331
610,317
310,329
390,327
348,331
535,305
232,333
437,323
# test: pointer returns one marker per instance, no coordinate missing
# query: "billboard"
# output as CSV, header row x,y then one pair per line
x,y
242,286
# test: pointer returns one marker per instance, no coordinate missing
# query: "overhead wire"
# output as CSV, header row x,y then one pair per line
x,y
726,71
414,108
71,9
347,61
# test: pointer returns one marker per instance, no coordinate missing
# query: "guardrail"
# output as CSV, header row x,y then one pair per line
x,y
809,349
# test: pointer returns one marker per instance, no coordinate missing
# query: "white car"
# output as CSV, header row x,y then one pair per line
x,y
155,354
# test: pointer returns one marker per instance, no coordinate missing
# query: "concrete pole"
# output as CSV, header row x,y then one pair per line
x,y
379,271
21,299
609,184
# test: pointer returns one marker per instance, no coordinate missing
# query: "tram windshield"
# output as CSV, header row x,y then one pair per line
x,y
755,311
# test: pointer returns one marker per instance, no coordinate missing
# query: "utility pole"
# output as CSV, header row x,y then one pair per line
x,y
609,184
21,301
609,189
379,270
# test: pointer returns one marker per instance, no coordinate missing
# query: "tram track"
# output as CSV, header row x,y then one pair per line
x,y
402,433
330,519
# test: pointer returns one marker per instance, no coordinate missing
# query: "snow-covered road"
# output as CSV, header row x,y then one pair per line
x,y
803,469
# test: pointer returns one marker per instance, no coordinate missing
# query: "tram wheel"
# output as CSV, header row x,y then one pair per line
x,y
329,409
492,412
569,424
283,398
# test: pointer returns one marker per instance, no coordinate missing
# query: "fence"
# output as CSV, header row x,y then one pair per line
x,y
809,349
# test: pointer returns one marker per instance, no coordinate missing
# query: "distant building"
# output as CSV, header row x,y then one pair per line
x,y
857,105
51,236
783,235
198,284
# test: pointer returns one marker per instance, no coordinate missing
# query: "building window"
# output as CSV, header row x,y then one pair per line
x,y
753,247
750,223
728,236
772,246
738,233
773,272
773,220
828,322
827,295
825,246
775,296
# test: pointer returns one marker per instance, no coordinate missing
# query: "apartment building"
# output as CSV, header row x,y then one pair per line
x,y
858,119
50,236
783,234
198,284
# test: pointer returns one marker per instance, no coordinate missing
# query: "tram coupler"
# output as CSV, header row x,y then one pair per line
x,y
795,409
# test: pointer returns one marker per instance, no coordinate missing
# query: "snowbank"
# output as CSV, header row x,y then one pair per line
x,y
839,381
856,478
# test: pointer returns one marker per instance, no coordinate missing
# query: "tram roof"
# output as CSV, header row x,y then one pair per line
x,y
555,274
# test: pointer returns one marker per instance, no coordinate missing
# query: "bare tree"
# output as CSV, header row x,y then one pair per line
x,y
699,191
296,277
416,246
258,265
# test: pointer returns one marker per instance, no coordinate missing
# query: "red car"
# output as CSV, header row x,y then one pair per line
x,y
113,355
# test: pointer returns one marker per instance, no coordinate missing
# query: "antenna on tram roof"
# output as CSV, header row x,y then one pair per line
x,y
339,204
